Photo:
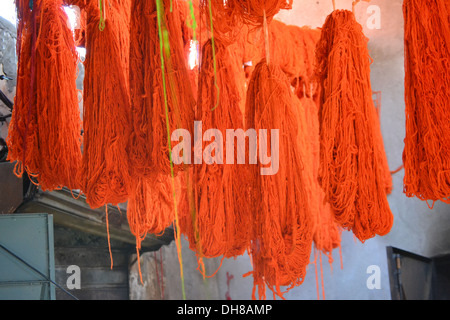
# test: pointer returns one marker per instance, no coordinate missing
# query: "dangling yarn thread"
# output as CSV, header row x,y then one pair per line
x,y
45,132
106,102
351,172
426,155
283,222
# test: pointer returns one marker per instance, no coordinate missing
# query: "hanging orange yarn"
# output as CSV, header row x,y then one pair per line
x,y
244,52
287,49
221,224
291,47
149,151
253,12
45,131
351,162
22,136
426,155
298,45
327,235
305,40
150,208
106,114
221,20
283,222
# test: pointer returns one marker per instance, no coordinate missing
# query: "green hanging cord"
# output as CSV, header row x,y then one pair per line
x,y
164,49
31,4
214,55
101,25
193,24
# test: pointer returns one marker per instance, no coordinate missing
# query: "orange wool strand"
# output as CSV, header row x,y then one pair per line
x,y
106,114
305,40
226,19
426,155
294,48
282,218
150,208
253,12
22,137
351,170
221,224
149,150
327,235
45,131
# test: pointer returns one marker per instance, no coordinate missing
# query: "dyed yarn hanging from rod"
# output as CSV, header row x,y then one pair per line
x,y
254,12
327,234
45,131
150,208
352,160
221,20
282,217
426,155
221,224
106,105
149,150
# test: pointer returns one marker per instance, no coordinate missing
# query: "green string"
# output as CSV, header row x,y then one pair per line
x,y
164,47
214,55
192,25
101,25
